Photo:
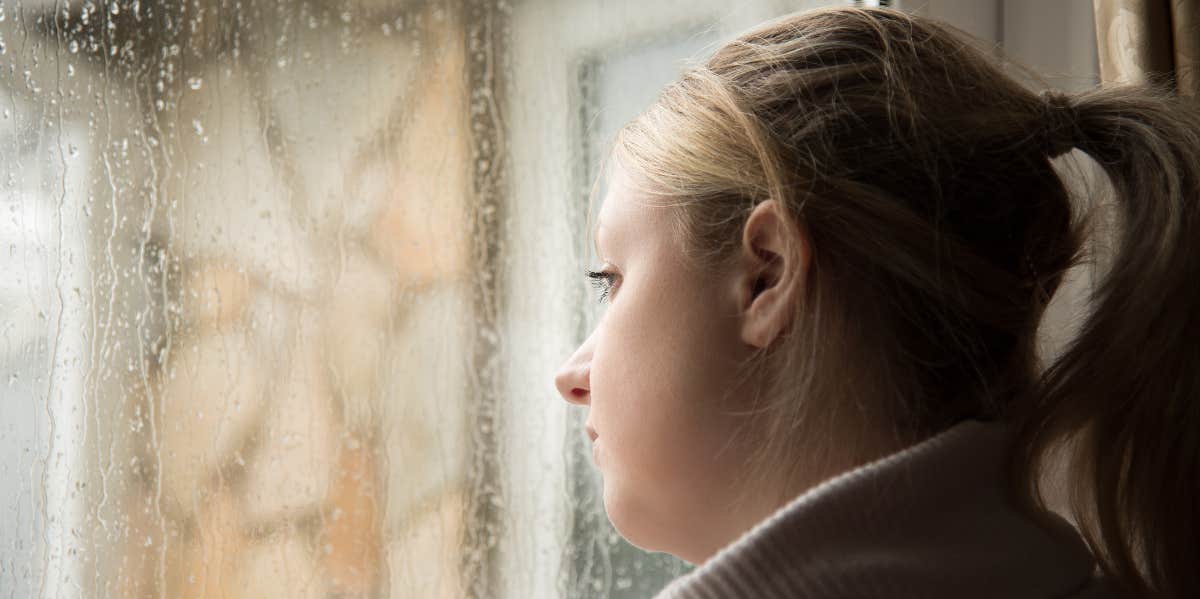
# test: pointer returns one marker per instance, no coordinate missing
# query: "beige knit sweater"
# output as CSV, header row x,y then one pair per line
x,y
931,521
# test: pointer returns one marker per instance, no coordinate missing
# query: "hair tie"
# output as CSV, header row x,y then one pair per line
x,y
1058,122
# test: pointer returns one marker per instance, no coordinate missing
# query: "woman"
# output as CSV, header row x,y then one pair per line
x,y
826,252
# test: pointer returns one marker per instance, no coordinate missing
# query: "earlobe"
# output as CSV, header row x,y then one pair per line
x,y
775,257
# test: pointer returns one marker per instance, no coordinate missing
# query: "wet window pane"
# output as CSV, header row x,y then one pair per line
x,y
285,285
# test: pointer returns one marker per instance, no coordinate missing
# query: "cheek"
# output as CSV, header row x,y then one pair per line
x,y
666,350
633,379
659,370
654,403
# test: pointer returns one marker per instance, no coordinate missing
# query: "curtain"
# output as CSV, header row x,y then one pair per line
x,y
1140,40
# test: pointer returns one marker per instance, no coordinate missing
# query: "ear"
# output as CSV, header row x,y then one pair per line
x,y
773,267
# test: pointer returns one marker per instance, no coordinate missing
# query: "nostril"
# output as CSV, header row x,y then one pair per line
x,y
572,384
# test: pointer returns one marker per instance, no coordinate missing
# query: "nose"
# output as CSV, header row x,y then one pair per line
x,y
572,379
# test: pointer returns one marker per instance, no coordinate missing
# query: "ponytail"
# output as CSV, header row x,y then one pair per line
x,y
1125,395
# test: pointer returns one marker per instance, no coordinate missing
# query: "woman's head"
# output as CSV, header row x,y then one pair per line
x,y
907,198
937,223
917,230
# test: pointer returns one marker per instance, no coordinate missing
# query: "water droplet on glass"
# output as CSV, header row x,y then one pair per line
x,y
195,82
73,47
346,16
387,29
114,8
73,150
70,70
197,127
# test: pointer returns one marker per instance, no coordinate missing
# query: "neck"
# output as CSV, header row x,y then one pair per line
x,y
768,488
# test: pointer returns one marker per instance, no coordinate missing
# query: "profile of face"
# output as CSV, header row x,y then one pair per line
x,y
658,374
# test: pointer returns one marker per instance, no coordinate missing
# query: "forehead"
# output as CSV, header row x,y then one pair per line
x,y
628,212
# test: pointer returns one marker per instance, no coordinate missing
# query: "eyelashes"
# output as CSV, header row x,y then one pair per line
x,y
602,281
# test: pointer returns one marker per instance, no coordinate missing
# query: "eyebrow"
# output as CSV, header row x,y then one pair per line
x,y
596,239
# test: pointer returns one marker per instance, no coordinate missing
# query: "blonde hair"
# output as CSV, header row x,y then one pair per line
x,y
939,230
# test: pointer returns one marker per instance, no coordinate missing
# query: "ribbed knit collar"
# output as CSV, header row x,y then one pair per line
x,y
930,521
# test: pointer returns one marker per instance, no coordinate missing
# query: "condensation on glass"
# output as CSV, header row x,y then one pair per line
x,y
285,283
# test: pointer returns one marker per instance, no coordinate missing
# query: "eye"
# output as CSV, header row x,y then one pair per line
x,y
604,281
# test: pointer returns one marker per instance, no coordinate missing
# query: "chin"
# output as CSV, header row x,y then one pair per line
x,y
633,520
